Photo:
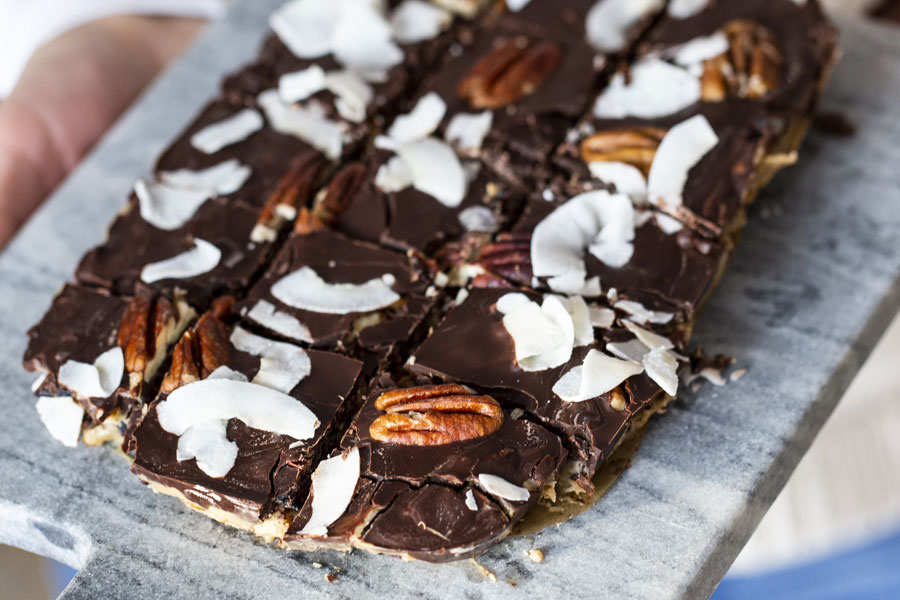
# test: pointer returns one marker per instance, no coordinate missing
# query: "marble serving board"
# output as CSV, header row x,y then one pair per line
x,y
815,281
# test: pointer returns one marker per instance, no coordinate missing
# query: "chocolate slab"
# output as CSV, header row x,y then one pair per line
x,y
410,500
271,469
133,243
472,346
413,220
668,272
337,259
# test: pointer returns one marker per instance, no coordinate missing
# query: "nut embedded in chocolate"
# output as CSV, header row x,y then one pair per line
x,y
294,190
432,415
635,146
751,68
340,192
201,350
510,72
509,256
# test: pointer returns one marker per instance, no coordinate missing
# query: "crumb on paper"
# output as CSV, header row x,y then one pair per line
x,y
535,555
317,565
484,570
330,577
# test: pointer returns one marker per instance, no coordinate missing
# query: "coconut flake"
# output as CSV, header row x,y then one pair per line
x,y
609,22
502,488
691,54
202,258
543,335
224,178
435,170
417,21
304,289
599,220
37,383
362,40
97,380
633,350
235,128
306,122
471,504
420,122
466,131
394,175
62,417
167,207
601,316
199,413
479,218
282,366
264,313
333,484
647,337
641,314
662,367
353,94
516,5
680,149
226,372
628,179
667,224
684,9
300,85
653,89
581,320
597,375
306,27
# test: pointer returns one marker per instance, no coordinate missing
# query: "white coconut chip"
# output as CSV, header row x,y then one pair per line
x,y
353,94
224,178
202,258
471,504
466,131
300,85
633,350
684,9
417,21
600,316
37,383
264,313
641,314
167,207
435,170
599,220
304,289
306,122
362,40
667,224
226,372
680,149
609,22
648,338
306,27
654,88
282,366
479,218
543,335
597,375
628,179
235,128
199,413
581,320
97,380
394,175
420,122
517,5
497,486
333,484
662,367
62,417
691,54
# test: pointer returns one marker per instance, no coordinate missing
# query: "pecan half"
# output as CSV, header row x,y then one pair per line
x,y
432,415
340,192
511,71
293,191
635,146
508,256
751,68
201,350
150,324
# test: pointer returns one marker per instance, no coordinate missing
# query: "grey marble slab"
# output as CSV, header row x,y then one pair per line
x,y
814,283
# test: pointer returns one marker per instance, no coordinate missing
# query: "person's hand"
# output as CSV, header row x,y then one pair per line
x,y
70,93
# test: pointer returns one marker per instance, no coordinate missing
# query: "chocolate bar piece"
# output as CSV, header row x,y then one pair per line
x,y
241,422
591,419
434,472
103,351
348,296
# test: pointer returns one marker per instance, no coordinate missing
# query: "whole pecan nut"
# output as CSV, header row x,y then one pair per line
x,y
201,350
511,71
433,415
508,256
751,68
635,146
292,192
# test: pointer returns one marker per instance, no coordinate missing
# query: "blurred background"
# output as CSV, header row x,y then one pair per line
x,y
832,534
